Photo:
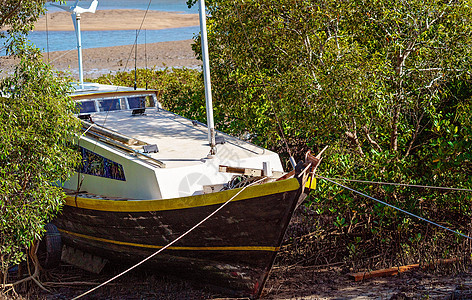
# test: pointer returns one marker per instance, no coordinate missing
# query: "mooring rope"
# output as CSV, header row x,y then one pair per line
x,y
394,207
404,184
171,243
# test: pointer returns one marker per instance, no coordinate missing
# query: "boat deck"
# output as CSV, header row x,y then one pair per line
x,y
180,141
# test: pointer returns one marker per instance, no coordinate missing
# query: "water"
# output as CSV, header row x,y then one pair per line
x,y
163,5
65,40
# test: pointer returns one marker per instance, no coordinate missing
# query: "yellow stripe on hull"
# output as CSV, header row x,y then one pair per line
x,y
184,202
232,248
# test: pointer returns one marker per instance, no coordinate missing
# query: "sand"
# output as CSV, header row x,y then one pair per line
x,y
99,61
118,19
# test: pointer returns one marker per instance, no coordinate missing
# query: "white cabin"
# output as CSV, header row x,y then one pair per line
x,y
133,169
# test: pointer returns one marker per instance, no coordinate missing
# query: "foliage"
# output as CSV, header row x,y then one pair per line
x,y
386,84
35,153
17,19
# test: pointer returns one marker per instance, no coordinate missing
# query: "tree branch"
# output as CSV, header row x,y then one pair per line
x,y
352,136
371,141
415,134
10,14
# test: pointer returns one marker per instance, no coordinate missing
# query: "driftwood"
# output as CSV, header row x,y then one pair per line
x,y
394,271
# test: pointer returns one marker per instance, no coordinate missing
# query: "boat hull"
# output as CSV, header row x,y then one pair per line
x,y
234,249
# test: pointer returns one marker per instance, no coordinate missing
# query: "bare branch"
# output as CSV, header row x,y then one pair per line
x,y
352,136
371,141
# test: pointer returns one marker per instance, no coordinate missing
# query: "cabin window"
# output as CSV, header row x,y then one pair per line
x,y
86,107
97,165
137,102
140,102
109,104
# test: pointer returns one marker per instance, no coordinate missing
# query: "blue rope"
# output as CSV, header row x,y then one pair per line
x,y
399,209
406,185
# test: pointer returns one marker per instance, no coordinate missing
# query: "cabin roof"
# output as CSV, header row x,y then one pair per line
x,y
180,141
92,88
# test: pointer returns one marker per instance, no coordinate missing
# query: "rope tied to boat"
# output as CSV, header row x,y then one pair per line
x,y
394,207
171,243
404,184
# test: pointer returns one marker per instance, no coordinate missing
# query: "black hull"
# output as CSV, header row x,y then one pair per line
x,y
234,249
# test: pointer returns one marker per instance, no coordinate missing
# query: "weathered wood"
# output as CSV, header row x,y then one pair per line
x,y
104,94
109,133
212,188
149,159
286,176
234,250
249,171
394,271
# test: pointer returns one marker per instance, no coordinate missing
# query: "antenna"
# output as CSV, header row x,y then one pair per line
x,y
75,14
135,59
145,58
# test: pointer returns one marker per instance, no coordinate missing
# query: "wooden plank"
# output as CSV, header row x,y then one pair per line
x,y
248,171
143,156
378,273
109,133
394,271
106,94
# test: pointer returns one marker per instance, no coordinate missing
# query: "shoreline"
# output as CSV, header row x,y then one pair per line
x,y
106,60
117,19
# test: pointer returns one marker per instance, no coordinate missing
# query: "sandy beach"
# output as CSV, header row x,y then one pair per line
x,y
98,61
118,19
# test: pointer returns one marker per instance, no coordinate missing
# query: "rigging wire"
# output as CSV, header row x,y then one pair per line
x,y
47,36
126,65
135,62
63,54
137,34
394,207
405,184
171,243
145,58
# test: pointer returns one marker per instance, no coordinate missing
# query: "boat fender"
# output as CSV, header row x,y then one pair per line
x,y
50,247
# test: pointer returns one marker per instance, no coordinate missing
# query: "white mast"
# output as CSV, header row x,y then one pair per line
x,y
75,14
206,76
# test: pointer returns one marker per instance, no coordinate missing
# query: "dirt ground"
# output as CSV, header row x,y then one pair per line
x,y
295,282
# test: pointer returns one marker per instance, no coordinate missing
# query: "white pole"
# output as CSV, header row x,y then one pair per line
x,y
206,76
76,19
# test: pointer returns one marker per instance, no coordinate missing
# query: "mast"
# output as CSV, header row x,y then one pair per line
x,y
75,14
206,76
76,21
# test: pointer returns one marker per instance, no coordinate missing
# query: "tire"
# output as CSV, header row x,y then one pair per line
x,y
50,247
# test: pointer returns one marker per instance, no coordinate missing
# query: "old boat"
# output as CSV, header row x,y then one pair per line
x,y
149,175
